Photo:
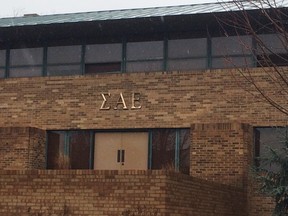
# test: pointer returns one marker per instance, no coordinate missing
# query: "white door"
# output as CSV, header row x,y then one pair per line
x,y
121,151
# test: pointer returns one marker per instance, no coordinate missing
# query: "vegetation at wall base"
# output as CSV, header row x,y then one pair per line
x,y
141,210
272,175
272,60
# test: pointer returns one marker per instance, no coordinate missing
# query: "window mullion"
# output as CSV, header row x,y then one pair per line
x,y
66,144
91,156
165,55
44,63
124,55
83,50
7,69
177,141
150,150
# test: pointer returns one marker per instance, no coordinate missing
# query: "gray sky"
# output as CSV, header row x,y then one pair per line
x,y
19,7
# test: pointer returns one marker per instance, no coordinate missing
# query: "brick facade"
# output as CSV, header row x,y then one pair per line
x,y
259,204
22,148
115,193
219,153
168,99
214,104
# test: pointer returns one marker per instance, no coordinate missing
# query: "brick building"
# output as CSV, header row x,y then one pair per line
x,y
114,112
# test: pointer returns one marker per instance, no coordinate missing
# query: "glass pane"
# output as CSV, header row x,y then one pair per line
x,y
56,158
2,72
187,48
144,66
273,43
272,59
31,56
232,62
274,138
102,67
145,50
79,149
163,149
100,53
2,58
187,64
25,72
63,70
64,54
184,147
271,137
233,45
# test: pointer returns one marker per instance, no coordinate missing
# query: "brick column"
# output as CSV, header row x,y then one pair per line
x,y
22,148
222,152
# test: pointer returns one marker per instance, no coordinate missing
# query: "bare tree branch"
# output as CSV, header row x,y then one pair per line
x,y
266,22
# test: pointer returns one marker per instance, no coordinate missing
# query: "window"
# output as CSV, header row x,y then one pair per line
x,y
163,149
27,62
264,138
233,51
64,60
101,58
69,150
186,54
272,43
2,63
167,149
171,149
269,60
272,50
145,56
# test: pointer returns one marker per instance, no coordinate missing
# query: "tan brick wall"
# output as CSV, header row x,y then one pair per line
x,y
22,148
111,193
192,196
174,99
37,149
219,153
259,205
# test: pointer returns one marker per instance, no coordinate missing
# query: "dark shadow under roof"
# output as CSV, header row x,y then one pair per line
x,y
128,14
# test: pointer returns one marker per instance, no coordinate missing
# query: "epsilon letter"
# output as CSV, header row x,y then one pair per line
x,y
136,98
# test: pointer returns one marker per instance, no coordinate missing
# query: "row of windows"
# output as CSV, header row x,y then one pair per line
x,y
161,149
180,54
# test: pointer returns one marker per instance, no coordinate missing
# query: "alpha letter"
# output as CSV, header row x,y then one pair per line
x,y
121,101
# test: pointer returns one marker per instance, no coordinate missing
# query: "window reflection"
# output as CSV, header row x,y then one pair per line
x,y
184,147
27,56
232,51
266,138
101,58
2,58
64,60
145,56
26,62
68,150
171,149
163,149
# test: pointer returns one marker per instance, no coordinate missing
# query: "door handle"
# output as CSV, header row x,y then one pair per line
x,y
118,156
121,156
